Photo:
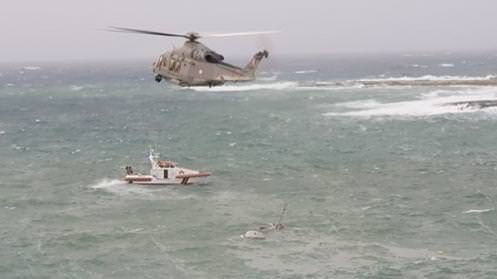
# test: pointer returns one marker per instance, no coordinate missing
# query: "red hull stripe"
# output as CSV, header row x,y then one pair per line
x,y
138,179
202,174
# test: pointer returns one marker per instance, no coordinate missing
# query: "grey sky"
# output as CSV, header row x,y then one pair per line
x,y
34,30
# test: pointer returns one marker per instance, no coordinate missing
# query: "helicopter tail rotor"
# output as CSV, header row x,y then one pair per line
x,y
254,62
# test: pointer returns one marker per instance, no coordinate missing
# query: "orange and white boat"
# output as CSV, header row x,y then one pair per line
x,y
163,172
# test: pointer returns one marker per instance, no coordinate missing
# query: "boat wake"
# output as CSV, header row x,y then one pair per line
x,y
434,103
121,188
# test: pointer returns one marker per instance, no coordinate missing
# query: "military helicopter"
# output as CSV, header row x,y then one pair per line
x,y
194,64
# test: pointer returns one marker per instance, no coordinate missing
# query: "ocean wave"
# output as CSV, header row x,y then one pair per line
x,y
478,93
31,68
249,87
404,81
478,210
446,65
281,85
419,66
303,72
393,82
468,101
351,256
268,78
326,88
432,78
120,187
76,88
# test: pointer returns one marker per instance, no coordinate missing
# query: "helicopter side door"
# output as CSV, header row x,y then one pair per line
x,y
162,64
177,66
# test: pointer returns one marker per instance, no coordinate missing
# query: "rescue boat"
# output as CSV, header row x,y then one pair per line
x,y
163,172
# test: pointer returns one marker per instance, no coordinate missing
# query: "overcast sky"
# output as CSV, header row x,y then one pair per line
x,y
46,30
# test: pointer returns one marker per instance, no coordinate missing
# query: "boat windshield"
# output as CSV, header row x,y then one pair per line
x,y
166,164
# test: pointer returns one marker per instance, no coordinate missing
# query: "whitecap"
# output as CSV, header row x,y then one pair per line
x,y
402,82
446,65
478,210
76,88
430,78
470,92
361,104
419,66
330,85
31,68
302,72
249,87
429,105
137,230
253,235
270,78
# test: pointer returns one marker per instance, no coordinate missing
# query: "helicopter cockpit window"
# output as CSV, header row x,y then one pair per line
x,y
197,54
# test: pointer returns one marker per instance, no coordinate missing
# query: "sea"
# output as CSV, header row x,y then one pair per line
x,y
389,180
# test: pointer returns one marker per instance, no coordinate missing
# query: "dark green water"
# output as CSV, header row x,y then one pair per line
x,y
383,182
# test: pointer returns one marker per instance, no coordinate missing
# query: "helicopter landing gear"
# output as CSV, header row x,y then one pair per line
x,y
158,78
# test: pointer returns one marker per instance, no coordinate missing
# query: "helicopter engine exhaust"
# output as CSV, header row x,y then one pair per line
x,y
213,57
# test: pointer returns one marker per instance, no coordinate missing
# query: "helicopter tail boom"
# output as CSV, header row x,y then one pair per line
x,y
254,62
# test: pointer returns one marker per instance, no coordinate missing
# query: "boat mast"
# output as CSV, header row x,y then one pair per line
x,y
152,158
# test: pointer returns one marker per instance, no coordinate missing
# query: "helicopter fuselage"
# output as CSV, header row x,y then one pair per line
x,y
194,64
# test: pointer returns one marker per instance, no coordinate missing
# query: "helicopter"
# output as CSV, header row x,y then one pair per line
x,y
194,64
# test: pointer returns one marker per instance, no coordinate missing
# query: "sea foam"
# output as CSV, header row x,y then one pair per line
x,y
478,210
250,87
120,187
436,103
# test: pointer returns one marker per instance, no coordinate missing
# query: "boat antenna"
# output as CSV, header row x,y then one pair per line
x,y
282,214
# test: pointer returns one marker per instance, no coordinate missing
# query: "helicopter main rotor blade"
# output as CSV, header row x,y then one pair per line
x,y
220,35
139,31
